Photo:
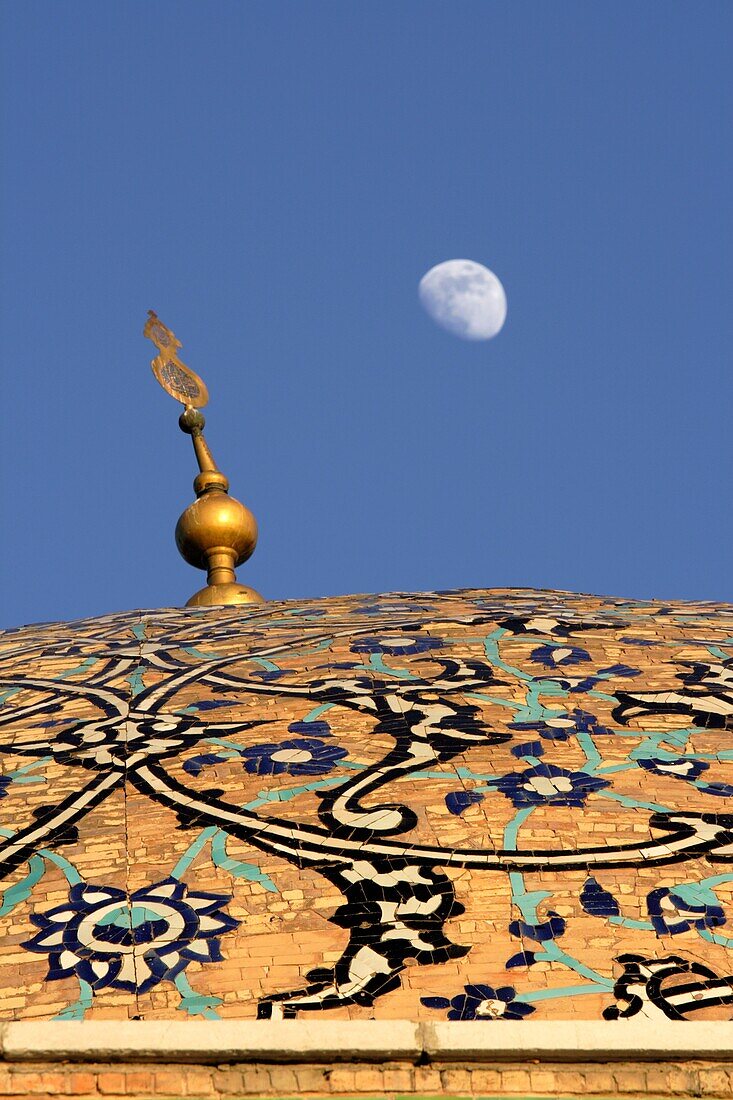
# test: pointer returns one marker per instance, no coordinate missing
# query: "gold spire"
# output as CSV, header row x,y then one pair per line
x,y
216,532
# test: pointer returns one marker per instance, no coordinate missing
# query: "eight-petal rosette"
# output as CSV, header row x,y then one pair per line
x,y
110,939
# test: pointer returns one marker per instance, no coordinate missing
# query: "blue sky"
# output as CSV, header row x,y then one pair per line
x,y
274,178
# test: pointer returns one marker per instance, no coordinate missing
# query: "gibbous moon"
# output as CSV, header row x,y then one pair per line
x,y
464,298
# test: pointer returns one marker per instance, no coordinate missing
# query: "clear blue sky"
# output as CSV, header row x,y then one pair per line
x,y
273,178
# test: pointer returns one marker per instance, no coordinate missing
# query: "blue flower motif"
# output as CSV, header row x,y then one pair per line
x,y
397,645
681,767
482,1002
555,656
546,783
561,727
108,938
310,729
597,901
680,908
301,756
546,930
459,801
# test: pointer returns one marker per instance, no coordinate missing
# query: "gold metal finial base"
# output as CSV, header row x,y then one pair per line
x,y
215,595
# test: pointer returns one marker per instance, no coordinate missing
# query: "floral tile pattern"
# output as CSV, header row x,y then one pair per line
x,y
487,805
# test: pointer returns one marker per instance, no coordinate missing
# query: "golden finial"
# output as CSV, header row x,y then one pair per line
x,y
216,532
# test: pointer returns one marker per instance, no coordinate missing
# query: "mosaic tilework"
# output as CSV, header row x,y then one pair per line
x,y
491,805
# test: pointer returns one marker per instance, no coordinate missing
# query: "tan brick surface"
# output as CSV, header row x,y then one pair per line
x,y
288,918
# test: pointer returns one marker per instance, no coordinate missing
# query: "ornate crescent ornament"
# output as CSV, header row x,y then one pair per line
x,y
172,374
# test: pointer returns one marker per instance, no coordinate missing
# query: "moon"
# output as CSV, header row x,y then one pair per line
x,y
464,298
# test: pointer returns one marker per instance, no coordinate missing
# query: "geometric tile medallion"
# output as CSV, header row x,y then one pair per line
x,y
491,805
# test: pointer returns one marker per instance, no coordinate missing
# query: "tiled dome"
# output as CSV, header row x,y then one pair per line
x,y
496,804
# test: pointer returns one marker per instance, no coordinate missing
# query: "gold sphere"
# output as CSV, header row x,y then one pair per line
x,y
216,522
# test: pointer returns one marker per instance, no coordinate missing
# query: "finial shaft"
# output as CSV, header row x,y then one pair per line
x,y
192,422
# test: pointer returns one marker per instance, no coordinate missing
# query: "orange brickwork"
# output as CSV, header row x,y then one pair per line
x,y
486,805
388,1082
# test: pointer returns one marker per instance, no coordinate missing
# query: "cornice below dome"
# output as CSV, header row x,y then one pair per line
x,y
496,804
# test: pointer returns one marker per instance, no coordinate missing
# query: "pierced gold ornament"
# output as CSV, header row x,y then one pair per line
x,y
171,372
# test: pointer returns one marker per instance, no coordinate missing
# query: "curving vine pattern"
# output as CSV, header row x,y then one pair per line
x,y
482,805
